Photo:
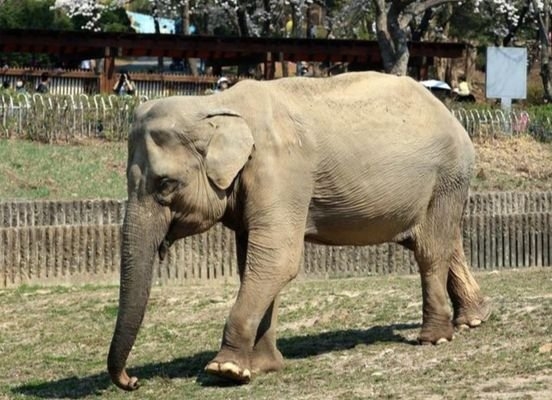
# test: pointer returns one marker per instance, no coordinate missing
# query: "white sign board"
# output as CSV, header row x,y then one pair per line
x,y
506,76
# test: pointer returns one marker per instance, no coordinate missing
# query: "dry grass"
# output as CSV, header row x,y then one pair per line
x,y
342,339
512,163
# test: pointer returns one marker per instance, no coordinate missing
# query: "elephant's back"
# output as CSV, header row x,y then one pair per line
x,y
366,115
389,104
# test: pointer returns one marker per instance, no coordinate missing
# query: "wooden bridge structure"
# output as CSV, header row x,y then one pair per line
x,y
217,51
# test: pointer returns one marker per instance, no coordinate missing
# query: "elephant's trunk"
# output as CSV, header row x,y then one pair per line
x,y
143,230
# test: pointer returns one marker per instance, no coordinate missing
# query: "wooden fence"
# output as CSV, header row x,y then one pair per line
x,y
76,242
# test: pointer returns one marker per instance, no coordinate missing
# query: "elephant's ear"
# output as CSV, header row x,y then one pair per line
x,y
229,147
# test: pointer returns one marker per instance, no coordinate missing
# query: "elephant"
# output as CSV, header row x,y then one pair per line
x,y
355,159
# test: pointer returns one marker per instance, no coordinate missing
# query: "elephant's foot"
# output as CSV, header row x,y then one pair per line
x,y
262,361
125,382
266,361
229,370
230,366
473,316
436,333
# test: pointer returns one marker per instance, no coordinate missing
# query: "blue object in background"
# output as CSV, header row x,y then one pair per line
x,y
143,23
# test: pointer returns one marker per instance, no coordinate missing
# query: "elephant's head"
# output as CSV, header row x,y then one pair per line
x,y
180,173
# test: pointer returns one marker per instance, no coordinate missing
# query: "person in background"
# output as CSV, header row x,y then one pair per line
x,y
288,30
85,65
302,68
463,88
20,87
463,92
44,84
222,84
124,85
5,86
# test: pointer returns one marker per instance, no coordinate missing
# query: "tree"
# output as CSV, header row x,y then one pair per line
x,y
505,21
31,14
393,19
391,22
96,15
35,14
543,19
511,22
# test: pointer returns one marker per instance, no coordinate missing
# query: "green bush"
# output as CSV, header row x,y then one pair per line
x,y
540,125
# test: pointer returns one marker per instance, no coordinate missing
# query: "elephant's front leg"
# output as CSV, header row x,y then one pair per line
x,y
265,357
249,340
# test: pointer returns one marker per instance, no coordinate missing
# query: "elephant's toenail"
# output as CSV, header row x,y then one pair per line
x,y
230,367
213,367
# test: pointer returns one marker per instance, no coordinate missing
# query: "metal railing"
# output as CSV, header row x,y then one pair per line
x,y
51,118
493,122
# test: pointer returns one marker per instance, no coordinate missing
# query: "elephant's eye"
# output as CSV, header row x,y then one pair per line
x,y
166,186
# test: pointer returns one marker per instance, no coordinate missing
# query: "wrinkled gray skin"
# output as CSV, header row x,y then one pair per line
x,y
357,159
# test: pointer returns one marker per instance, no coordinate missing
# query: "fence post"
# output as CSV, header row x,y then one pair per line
x,y
269,66
106,74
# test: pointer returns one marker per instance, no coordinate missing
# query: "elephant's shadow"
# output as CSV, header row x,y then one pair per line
x,y
187,367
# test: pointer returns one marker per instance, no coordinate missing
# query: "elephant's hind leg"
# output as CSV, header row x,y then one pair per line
x,y
433,244
436,326
470,307
443,268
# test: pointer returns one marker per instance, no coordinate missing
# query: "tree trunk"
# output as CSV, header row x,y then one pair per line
x,y
544,39
191,62
296,32
445,70
266,23
520,21
470,61
155,12
242,22
392,39
392,21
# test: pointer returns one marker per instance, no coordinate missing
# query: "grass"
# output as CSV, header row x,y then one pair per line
x,y
342,339
96,169
512,163
31,170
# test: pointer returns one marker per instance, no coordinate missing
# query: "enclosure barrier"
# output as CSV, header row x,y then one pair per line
x,y
50,118
65,118
77,82
77,242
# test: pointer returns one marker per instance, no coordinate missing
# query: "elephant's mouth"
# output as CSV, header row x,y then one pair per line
x,y
180,228
164,247
176,231
166,243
